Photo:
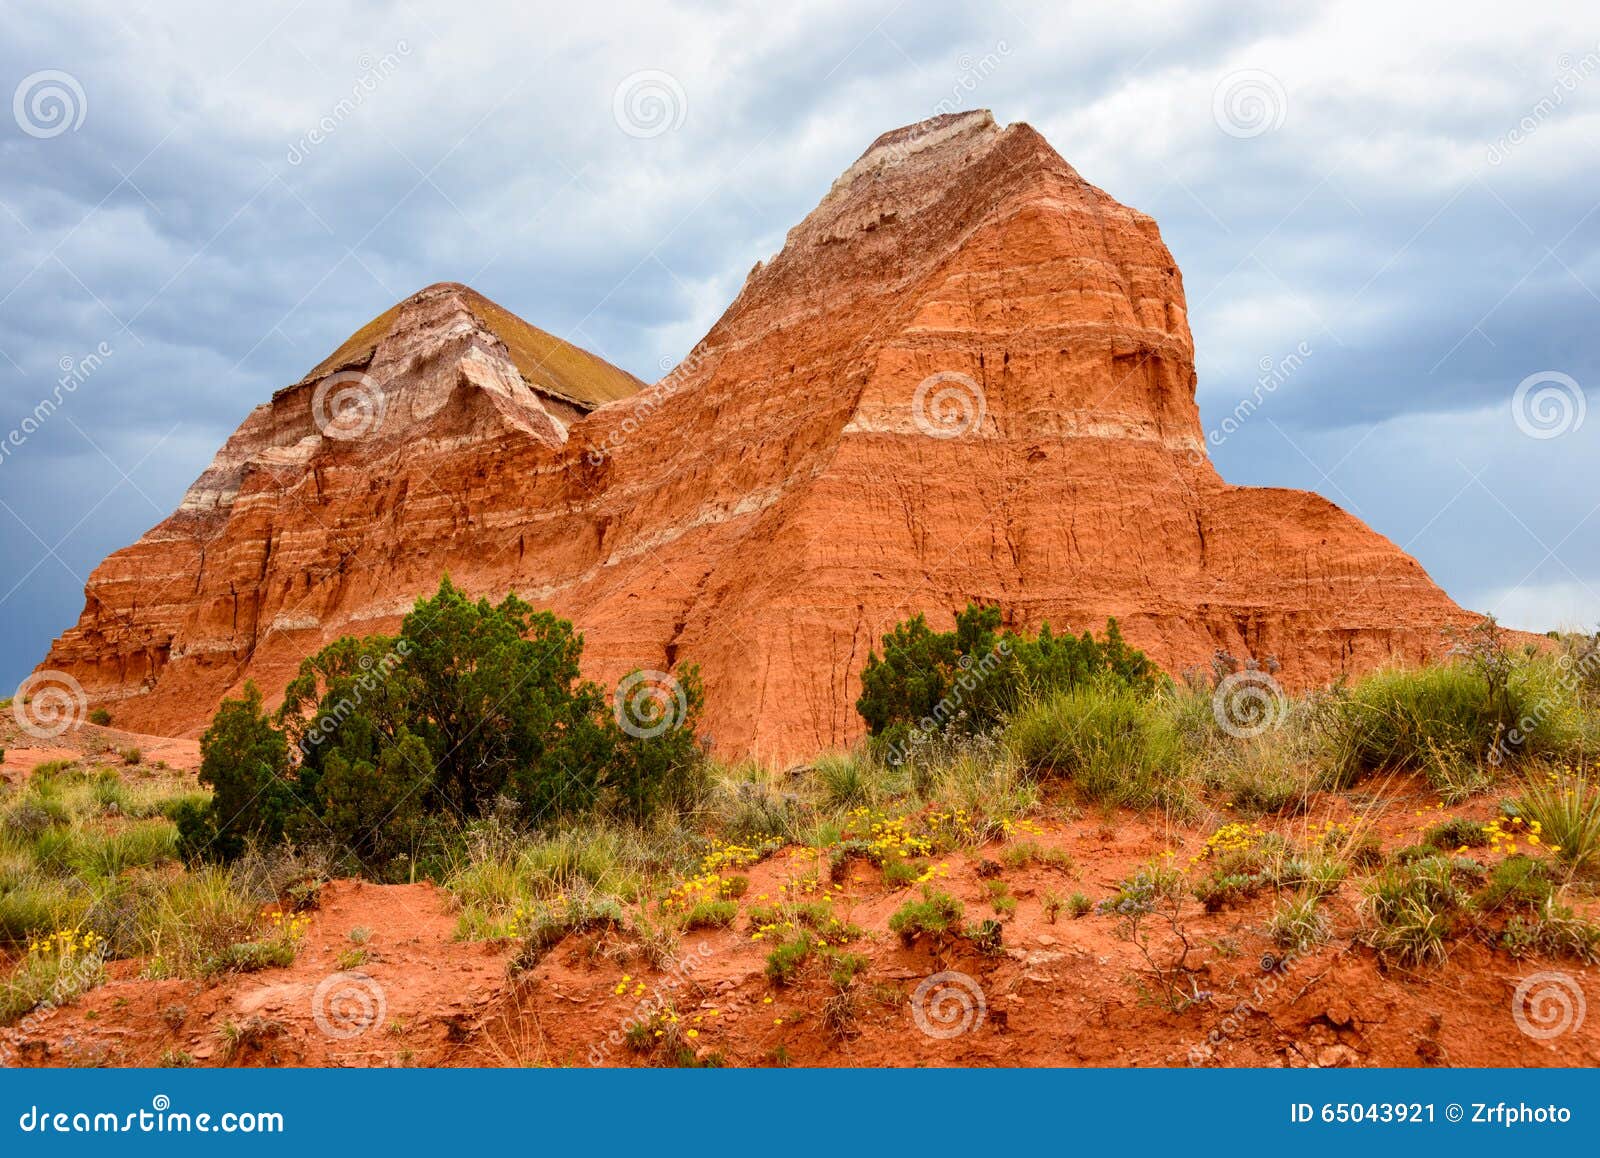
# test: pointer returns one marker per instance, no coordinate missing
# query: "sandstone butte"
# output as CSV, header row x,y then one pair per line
x,y
776,502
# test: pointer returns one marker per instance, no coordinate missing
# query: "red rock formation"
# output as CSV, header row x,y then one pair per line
x,y
967,375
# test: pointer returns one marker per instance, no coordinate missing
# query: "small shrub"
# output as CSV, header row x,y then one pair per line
x,y
712,915
100,717
131,756
1079,905
190,929
1153,896
987,936
1414,911
964,680
1116,746
253,956
784,962
844,780
1297,924
1054,905
1556,930
237,1038
844,968
1028,852
1272,775
899,874
1001,899
1518,882
1457,833
1454,721
577,912
1566,806
55,971
1219,890
1320,876
938,914
1142,893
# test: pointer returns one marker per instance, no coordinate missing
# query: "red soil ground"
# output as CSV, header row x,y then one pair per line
x,y
1067,993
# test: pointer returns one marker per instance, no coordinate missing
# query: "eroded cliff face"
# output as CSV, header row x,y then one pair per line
x,y
967,375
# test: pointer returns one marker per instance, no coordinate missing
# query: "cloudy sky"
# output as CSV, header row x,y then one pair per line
x,y
198,202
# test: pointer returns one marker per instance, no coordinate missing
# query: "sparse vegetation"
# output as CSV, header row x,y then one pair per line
x,y
650,844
